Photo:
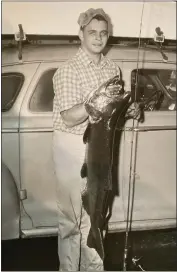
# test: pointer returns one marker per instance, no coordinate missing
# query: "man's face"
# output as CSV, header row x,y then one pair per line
x,y
95,36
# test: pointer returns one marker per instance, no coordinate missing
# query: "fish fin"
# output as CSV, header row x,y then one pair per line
x,y
94,240
83,172
86,134
85,201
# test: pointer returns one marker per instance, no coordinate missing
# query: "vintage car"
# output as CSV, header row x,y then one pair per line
x,y
147,155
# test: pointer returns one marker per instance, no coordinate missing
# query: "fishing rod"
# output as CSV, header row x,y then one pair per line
x,y
133,154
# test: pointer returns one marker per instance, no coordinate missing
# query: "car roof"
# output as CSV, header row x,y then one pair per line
x,y
50,53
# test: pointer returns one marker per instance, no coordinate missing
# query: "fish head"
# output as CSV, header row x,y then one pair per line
x,y
114,87
105,98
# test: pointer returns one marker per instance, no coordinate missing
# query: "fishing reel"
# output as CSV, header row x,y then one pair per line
x,y
154,101
150,104
136,262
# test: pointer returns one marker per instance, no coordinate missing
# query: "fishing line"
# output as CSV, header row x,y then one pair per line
x,y
132,156
79,227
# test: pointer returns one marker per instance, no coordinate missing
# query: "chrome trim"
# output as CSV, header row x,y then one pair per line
x,y
39,232
32,61
9,130
139,225
63,60
30,130
140,129
148,128
113,227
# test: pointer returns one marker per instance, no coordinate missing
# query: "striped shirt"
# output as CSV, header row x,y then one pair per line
x,y
73,81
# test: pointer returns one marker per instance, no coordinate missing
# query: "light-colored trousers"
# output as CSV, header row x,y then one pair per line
x,y
74,222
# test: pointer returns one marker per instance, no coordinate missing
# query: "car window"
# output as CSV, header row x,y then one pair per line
x,y
155,87
42,98
10,88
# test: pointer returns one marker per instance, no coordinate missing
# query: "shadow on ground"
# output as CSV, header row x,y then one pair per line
x,y
157,249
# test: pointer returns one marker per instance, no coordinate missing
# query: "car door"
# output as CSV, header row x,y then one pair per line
x,y
15,82
15,79
37,173
151,146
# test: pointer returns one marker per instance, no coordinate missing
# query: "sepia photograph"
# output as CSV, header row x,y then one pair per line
x,y
88,136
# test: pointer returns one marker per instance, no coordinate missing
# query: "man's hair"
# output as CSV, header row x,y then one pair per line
x,y
97,17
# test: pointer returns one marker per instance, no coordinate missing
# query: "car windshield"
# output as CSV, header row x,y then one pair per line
x,y
10,88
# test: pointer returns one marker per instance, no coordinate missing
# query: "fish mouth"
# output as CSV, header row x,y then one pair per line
x,y
115,91
120,95
115,87
115,81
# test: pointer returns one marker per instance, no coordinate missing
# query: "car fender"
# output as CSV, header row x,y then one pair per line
x,y
10,206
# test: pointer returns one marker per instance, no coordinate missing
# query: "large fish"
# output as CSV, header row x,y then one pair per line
x,y
106,107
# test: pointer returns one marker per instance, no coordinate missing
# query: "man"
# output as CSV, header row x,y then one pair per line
x,y
73,82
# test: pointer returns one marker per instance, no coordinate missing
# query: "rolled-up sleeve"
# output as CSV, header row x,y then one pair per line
x,y
67,88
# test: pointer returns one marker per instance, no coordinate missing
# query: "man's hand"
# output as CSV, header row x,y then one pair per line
x,y
77,114
137,111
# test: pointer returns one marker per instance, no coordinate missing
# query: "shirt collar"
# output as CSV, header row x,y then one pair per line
x,y
86,60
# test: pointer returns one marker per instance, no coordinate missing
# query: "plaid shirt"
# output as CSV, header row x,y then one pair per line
x,y
73,81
